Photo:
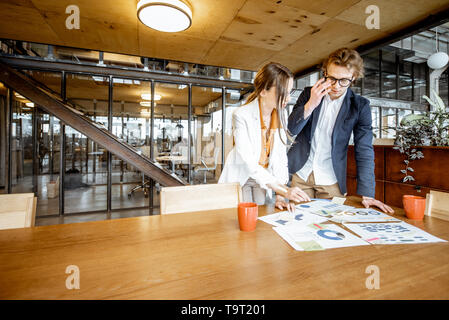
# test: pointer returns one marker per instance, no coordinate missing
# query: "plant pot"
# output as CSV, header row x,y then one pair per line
x,y
414,206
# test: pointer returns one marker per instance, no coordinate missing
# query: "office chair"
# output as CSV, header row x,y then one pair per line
x,y
145,185
205,169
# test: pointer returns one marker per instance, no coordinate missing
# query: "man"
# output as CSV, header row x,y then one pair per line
x,y
323,119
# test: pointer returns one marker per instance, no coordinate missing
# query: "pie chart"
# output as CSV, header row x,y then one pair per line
x,y
330,234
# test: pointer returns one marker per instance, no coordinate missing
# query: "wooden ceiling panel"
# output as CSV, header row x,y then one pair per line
x,y
240,34
20,20
393,15
291,60
210,18
321,7
175,46
286,25
330,36
121,12
99,26
237,55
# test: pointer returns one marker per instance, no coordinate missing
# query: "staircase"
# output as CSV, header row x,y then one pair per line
x,y
56,106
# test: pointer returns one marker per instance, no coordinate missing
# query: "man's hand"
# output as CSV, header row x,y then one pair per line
x,y
296,194
367,202
318,91
281,204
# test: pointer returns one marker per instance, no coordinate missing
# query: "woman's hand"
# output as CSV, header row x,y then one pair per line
x,y
296,194
281,204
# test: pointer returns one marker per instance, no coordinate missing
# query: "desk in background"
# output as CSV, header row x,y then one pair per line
x,y
172,159
204,255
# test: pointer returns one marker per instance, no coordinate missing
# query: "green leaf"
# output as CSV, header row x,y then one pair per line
x,y
439,101
429,101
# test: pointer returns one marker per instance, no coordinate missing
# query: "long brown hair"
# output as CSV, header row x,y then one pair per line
x,y
274,74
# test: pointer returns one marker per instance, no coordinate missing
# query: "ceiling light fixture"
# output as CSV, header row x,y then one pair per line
x,y
439,59
146,103
18,95
147,96
145,112
165,15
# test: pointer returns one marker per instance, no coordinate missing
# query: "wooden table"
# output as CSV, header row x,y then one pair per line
x,y
203,255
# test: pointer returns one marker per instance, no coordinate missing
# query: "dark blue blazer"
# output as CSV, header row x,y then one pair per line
x,y
354,116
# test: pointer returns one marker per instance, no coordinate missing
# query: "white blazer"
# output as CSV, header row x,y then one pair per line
x,y
242,161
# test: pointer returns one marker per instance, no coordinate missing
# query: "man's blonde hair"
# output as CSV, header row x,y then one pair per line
x,y
348,58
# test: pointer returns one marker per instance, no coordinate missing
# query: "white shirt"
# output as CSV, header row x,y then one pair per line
x,y
320,158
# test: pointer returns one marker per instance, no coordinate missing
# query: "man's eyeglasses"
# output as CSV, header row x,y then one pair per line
x,y
342,82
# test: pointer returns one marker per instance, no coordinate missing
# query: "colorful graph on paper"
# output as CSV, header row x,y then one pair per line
x,y
392,233
323,208
285,218
362,215
318,236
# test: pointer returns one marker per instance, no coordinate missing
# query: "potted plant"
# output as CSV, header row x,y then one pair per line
x,y
417,130
414,131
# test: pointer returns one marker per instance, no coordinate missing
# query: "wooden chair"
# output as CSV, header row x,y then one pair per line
x,y
200,197
17,210
437,205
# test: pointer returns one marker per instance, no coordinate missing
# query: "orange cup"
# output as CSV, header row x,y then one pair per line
x,y
248,213
414,206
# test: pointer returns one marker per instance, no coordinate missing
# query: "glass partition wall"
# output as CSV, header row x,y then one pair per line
x,y
184,131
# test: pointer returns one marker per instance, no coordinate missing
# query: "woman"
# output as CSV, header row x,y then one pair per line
x,y
258,160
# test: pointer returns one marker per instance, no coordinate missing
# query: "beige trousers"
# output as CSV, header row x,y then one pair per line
x,y
316,191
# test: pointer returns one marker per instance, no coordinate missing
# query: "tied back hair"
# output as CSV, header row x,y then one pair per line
x,y
277,75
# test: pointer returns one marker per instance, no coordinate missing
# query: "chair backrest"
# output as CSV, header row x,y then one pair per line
x,y
17,210
184,150
200,197
437,205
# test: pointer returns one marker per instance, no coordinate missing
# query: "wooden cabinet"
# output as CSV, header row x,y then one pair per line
x,y
430,173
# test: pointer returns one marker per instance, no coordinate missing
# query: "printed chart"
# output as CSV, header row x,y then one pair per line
x,y
362,215
323,208
318,237
286,218
392,233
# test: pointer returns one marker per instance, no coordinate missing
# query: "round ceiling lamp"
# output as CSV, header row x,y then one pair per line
x,y
439,59
165,15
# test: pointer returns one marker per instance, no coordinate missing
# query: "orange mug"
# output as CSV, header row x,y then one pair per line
x,y
414,206
248,213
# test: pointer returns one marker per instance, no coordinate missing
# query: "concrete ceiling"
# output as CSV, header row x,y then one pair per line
x,y
243,34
